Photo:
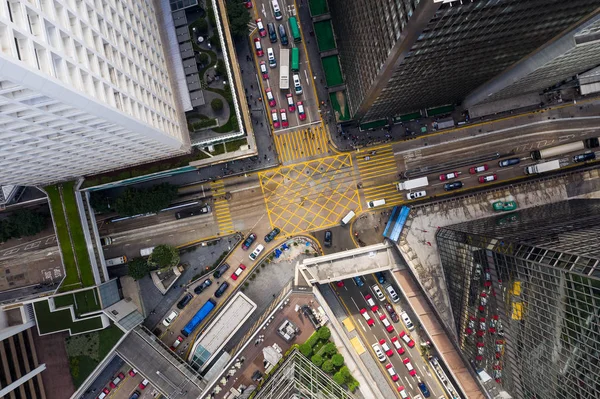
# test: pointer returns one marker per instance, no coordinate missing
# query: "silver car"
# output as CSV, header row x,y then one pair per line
x,y
416,194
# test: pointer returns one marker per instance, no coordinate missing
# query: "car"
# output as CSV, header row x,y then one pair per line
x,y
259,248
416,194
178,341
448,176
132,372
409,366
392,293
407,321
588,156
508,162
284,119
399,347
327,239
247,3
377,292
380,277
221,290
406,338
339,283
117,380
144,384
269,237
271,58
184,301
386,348
192,212
297,84
202,286
386,323
301,112
371,302
248,242
378,352
263,70
478,169
106,390
104,241
453,186
238,272
505,206
136,394
424,389
368,318
275,118
488,178
283,35
261,28
391,372
390,309
169,319
270,97
102,395
220,270
403,393
272,32
258,47
358,281
290,102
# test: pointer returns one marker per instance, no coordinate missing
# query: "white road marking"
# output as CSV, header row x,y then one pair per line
x,y
244,189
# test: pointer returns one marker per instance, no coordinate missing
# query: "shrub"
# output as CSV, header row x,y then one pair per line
x,y
138,268
352,385
324,333
306,349
337,360
246,283
216,104
312,340
346,373
164,256
327,367
337,377
214,41
317,360
330,349
220,68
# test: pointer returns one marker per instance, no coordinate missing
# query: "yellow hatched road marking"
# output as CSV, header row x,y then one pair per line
x,y
300,144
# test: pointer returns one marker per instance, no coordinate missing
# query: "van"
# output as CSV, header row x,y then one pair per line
x,y
590,156
271,57
373,204
169,319
116,261
283,35
348,217
259,248
508,162
220,270
392,293
272,32
407,321
276,10
221,290
146,251
378,292
297,85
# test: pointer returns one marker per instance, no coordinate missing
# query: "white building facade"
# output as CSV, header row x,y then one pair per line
x,y
85,87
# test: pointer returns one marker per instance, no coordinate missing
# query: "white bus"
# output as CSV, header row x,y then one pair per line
x,y
284,69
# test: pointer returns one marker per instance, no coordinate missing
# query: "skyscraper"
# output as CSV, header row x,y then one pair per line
x,y
524,290
84,87
402,56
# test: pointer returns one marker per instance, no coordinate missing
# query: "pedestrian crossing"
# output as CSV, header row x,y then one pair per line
x,y
221,208
387,191
295,145
379,164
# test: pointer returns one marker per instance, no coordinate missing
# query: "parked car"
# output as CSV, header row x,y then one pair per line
x,y
221,290
202,286
259,248
238,272
184,301
261,28
272,234
248,242
290,102
508,162
258,47
117,380
368,318
453,186
301,112
500,206
220,270
448,176
144,384
132,372
478,169
327,240
169,319
488,178
247,3
284,119
177,342
263,70
392,312
136,394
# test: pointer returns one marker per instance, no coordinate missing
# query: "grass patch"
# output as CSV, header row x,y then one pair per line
x,y
62,234
318,7
59,320
235,145
324,33
212,63
83,301
231,123
81,252
333,73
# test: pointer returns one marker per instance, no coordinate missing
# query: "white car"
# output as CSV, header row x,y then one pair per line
x,y
378,292
392,293
407,321
378,352
415,195
259,248
172,316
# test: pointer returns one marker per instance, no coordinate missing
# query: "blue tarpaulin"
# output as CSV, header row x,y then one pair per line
x,y
396,223
277,253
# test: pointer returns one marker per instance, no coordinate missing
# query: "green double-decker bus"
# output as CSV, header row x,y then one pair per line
x,y
295,64
293,22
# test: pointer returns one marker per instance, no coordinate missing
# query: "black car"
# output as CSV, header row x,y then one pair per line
x,y
269,237
184,301
589,156
272,33
202,286
249,241
220,270
392,312
221,290
508,162
192,212
327,239
453,185
283,35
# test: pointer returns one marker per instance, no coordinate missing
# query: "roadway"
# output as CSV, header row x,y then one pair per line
x,y
352,297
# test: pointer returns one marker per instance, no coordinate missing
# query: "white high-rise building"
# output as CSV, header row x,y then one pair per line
x,y
84,88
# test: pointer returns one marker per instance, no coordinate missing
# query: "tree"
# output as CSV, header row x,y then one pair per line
x,y
138,268
337,360
330,349
164,256
239,18
337,377
317,360
306,349
327,367
216,104
210,13
214,41
204,58
135,201
25,222
100,202
346,373
220,68
324,333
201,25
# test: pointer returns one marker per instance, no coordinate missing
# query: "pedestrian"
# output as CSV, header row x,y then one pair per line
x,y
252,87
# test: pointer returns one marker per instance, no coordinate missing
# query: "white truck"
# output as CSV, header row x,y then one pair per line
x,y
413,183
542,167
146,251
284,69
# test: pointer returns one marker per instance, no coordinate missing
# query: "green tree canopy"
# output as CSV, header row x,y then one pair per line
x,y
324,333
22,223
337,360
216,104
214,41
135,201
306,349
345,371
100,202
239,18
220,68
330,349
138,268
204,58
337,377
317,360
327,367
164,256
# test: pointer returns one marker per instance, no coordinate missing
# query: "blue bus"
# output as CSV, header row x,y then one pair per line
x,y
198,317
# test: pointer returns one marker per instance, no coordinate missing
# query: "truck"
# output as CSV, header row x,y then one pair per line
x,y
146,251
284,69
413,183
558,150
542,167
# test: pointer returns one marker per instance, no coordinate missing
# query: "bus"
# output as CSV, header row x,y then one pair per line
x,y
284,69
294,29
295,59
198,317
558,150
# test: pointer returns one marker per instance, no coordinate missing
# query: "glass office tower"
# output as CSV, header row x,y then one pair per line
x,y
524,288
